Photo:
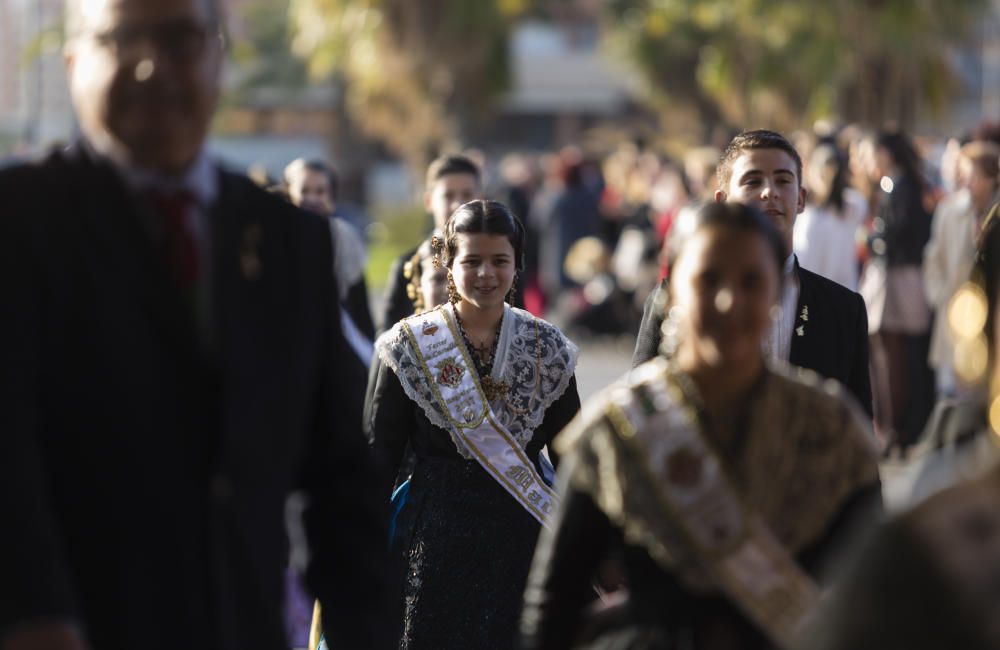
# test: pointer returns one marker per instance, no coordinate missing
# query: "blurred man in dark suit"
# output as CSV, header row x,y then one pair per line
x,y
170,371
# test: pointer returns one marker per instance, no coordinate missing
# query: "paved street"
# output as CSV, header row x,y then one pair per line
x,y
602,361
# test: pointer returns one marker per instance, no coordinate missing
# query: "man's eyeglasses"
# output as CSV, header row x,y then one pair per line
x,y
180,42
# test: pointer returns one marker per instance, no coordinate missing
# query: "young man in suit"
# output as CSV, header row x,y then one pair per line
x,y
821,325
451,181
170,371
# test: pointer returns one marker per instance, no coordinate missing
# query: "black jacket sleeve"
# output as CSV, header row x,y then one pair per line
x,y
647,341
859,381
558,415
356,304
397,303
35,582
345,517
389,420
566,559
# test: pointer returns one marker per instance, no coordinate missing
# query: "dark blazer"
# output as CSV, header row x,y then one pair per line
x,y
833,341
397,304
356,305
144,465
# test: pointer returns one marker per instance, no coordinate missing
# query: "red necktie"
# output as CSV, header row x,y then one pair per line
x,y
177,241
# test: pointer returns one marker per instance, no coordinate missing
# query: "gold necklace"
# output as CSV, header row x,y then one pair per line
x,y
483,358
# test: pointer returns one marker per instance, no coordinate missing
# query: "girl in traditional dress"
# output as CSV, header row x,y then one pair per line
x,y
477,388
723,483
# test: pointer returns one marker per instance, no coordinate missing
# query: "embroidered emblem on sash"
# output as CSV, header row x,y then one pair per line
x,y
684,468
449,372
429,329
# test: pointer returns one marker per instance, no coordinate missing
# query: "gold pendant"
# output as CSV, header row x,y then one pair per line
x,y
493,390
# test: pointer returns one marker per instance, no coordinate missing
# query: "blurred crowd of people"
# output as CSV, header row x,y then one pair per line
x,y
895,218
902,222
185,419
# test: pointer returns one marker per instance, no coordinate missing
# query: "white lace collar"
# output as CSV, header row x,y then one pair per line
x,y
533,358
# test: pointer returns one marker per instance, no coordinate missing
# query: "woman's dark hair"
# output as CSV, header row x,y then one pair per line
x,y
903,154
827,154
737,216
487,218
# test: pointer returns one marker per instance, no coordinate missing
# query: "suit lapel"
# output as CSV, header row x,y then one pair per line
x,y
249,283
252,311
125,248
803,348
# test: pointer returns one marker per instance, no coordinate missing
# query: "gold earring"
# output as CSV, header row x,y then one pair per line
x,y
453,296
513,291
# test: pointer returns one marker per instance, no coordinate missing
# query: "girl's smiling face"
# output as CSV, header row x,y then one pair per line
x,y
483,268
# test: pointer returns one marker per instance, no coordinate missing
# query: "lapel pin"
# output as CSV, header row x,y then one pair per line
x,y
805,313
801,330
250,251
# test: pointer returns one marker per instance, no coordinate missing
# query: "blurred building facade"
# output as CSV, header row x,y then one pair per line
x,y
563,84
34,101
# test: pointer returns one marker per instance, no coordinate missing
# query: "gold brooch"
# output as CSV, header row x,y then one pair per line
x,y
250,251
492,389
804,317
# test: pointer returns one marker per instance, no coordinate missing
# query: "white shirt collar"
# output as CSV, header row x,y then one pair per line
x,y
200,179
777,343
789,268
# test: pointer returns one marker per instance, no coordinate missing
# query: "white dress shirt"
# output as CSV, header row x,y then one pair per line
x,y
778,342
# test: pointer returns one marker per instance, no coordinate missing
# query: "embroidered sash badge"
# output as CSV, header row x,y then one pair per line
x,y
449,373
684,468
429,329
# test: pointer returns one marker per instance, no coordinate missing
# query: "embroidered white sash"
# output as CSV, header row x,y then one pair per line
x,y
735,546
450,373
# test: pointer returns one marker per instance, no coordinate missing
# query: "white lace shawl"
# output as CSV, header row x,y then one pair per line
x,y
533,358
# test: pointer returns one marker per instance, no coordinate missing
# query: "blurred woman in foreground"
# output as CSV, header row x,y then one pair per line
x,y
928,578
725,485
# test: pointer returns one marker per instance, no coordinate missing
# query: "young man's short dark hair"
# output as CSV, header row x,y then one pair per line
x,y
451,164
757,139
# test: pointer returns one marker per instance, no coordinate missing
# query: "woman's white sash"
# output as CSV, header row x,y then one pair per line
x,y
734,545
450,374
